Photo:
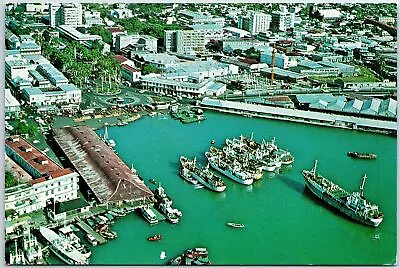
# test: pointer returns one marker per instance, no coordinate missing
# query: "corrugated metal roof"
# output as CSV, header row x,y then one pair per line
x,y
103,171
371,106
312,98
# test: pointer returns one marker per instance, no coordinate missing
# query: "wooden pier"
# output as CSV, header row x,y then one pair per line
x,y
90,231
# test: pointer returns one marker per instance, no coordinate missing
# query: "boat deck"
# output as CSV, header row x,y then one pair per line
x,y
159,216
89,230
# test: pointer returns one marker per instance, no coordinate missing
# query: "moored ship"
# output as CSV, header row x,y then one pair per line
x,y
231,169
62,247
202,175
361,155
352,204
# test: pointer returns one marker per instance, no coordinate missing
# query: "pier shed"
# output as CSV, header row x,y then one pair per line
x,y
103,171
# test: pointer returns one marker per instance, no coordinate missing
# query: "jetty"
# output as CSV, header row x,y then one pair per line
x,y
89,230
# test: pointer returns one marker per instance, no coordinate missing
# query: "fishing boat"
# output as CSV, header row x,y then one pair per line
x,y
202,175
62,248
230,168
354,204
164,205
235,225
194,256
155,237
32,249
361,155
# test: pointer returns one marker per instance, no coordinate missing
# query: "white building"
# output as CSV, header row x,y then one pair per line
x,y
229,45
65,14
159,60
184,41
64,95
254,22
211,31
282,20
201,70
169,87
189,17
141,42
92,18
11,106
50,181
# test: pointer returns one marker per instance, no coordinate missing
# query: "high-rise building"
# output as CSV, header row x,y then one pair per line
x,y
254,22
65,14
184,41
282,20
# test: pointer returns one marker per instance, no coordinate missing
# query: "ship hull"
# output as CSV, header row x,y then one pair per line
x,y
339,205
209,186
230,175
188,178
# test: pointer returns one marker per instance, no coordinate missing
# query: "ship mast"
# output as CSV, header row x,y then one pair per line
x,y
315,167
362,184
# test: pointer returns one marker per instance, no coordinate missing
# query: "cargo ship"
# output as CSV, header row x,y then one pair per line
x,y
352,204
203,175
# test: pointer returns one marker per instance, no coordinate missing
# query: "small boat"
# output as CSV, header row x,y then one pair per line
x,y
235,225
361,155
163,255
92,241
155,237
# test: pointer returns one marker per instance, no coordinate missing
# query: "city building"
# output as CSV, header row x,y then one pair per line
x,y
128,70
385,19
236,32
36,7
52,74
254,22
229,45
200,70
65,14
169,87
50,182
311,68
92,18
388,108
184,41
121,13
67,97
281,60
12,107
71,33
282,20
371,106
344,69
188,17
211,31
329,14
244,64
115,31
282,74
12,41
136,41
159,60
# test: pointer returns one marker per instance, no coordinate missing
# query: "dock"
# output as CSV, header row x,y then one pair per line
x,y
90,231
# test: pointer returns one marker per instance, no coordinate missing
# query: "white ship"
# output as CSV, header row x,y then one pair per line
x,y
230,169
62,248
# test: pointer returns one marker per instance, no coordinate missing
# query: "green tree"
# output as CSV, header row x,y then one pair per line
x,y
100,30
10,181
148,68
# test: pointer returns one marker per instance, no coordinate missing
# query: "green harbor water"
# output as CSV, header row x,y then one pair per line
x,y
284,222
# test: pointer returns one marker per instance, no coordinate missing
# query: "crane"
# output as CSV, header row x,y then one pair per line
x,y
272,64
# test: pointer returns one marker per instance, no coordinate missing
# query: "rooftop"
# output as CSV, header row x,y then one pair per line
x,y
40,162
103,171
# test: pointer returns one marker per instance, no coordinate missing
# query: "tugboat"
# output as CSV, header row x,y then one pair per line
x,y
361,155
353,205
155,237
204,175
231,169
